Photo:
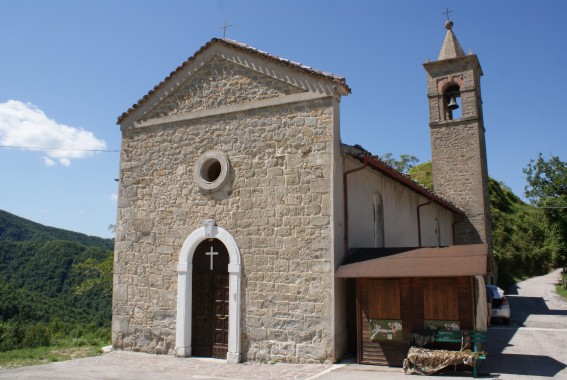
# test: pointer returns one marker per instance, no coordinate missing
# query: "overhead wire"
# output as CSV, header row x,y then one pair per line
x,y
76,149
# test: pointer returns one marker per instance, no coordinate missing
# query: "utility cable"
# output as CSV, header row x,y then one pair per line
x,y
77,149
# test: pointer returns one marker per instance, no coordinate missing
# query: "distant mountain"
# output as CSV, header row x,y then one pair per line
x,y
15,228
48,273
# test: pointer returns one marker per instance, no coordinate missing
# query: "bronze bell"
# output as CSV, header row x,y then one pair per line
x,y
452,104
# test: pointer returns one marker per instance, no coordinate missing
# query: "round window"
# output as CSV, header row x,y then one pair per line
x,y
211,170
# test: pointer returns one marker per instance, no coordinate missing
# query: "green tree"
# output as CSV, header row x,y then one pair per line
x,y
403,164
422,173
547,189
96,274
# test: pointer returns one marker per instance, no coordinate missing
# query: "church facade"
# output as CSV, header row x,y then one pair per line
x,y
238,205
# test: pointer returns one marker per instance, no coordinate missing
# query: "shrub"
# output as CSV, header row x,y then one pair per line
x,y
36,335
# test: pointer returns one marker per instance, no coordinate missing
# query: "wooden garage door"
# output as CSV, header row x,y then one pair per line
x,y
440,299
382,299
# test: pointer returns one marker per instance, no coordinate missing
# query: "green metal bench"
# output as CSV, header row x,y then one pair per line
x,y
469,339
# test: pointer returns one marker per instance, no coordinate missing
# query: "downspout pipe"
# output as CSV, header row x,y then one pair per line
x,y
419,221
345,201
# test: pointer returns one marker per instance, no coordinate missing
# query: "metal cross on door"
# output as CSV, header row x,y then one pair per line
x,y
212,254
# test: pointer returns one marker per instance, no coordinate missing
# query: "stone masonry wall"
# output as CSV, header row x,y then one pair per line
x,y
277,208
458,177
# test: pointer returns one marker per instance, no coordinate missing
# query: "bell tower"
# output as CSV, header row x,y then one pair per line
x,y
458,146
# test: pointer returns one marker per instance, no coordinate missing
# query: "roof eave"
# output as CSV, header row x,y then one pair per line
x,y
456,260
339,82
442,64
402,179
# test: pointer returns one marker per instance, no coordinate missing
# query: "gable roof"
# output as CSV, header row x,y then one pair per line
x,y
338,81
375,163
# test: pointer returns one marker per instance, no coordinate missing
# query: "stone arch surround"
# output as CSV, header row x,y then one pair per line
x,y
184,292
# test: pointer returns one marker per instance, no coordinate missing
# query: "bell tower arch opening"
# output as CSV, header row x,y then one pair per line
x,y
452,102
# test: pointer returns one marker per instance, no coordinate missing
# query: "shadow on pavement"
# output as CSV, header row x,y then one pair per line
x,y
500,336
527,365
522,307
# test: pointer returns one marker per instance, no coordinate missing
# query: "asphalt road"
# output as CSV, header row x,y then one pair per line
x,y
535,343
532,346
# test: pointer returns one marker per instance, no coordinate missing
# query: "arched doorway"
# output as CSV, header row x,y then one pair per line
x,y
210,300
184,322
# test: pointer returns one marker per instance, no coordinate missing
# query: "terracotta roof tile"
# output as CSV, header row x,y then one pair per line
x,y
376,163
340,81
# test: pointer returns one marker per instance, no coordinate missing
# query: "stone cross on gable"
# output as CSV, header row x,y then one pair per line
x,y
212,254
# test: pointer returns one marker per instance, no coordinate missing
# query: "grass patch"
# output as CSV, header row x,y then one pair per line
x,y
559,287
562,292
43,355
62,349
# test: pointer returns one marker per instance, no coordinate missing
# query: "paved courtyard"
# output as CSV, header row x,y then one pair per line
x,y
531,347
122,365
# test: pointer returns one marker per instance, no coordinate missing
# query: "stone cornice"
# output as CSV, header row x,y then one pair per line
x,y
453,123
233,108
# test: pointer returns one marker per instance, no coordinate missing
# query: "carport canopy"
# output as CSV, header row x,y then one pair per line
x,y
456,260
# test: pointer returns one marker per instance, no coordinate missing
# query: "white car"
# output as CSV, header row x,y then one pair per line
x,y
500,305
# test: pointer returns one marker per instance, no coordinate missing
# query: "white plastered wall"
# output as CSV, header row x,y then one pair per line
x,y
400,212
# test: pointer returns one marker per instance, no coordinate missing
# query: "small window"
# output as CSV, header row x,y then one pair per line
x,y
211,171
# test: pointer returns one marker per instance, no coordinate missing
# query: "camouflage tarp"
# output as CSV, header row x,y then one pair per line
x,y
426,362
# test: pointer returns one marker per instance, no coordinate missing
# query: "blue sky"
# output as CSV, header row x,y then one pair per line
x,y
70,68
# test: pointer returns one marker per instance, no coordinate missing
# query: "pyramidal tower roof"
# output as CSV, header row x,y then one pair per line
x,y
451,47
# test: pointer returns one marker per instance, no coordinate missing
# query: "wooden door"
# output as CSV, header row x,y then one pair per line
x,y
383,301
440,299
210,300
220,317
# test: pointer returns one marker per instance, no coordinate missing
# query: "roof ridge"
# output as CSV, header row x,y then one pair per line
x,y
358,151
286,61
340,81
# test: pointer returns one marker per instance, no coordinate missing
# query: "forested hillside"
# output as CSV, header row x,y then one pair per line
x,y
14,228
52,276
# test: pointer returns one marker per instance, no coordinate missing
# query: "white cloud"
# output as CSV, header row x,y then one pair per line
x,y
25,125
114,197
48,161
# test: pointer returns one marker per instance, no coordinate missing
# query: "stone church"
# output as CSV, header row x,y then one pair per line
x,y
247,231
